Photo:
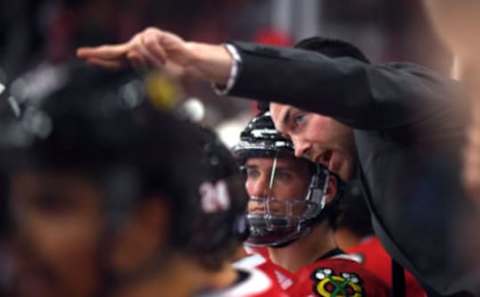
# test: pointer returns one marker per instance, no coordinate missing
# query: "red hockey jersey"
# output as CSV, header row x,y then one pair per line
x,y
337,276
256,284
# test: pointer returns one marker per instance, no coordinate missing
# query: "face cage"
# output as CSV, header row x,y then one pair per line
x,y
274,228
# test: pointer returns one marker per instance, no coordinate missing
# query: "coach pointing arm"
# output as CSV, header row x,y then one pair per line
x,y
361,95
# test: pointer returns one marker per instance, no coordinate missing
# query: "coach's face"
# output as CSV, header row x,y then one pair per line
x,y
319,138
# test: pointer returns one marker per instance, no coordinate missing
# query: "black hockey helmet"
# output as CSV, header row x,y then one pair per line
x,y
105,125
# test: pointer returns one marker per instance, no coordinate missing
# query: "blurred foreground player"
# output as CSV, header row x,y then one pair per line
x,y
292,208
108,201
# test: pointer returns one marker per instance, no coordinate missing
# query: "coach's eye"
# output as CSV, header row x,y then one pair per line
x,y
299,120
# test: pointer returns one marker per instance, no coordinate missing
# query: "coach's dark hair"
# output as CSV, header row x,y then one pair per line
x,y
263,106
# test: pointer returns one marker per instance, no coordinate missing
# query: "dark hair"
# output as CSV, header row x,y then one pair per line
x,y
333,48
263,106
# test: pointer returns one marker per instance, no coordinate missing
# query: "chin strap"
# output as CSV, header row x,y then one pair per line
x,y
279,245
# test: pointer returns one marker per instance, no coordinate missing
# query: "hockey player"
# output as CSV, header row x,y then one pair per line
x,y
291,211
113,197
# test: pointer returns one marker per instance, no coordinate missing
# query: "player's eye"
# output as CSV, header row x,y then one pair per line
x,y
252,173
283,175
51,203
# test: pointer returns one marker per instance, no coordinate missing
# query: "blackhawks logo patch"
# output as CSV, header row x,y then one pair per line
x,y
329,284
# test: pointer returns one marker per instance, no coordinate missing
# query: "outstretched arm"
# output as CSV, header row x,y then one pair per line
x,y
153,48
361,95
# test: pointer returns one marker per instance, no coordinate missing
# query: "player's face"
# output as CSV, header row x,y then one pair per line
x,y
290,181
62,230
318,138
59,221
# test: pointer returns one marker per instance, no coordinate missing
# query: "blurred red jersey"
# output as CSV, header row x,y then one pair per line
x,y
335,275
373,257
255,282
259,258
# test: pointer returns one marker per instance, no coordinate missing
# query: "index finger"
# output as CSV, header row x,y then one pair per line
x,y
108,64
103,52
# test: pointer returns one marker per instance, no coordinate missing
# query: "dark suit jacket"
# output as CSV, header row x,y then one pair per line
x,y
409,130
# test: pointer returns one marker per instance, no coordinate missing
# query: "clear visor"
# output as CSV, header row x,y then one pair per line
x,y
292,210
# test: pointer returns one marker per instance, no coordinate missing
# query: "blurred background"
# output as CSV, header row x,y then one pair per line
x,y
39,36
35,34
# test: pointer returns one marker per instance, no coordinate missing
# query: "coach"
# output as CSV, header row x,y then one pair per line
x,y
408,126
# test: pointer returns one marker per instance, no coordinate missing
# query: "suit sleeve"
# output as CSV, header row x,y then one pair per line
x,y
363,96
